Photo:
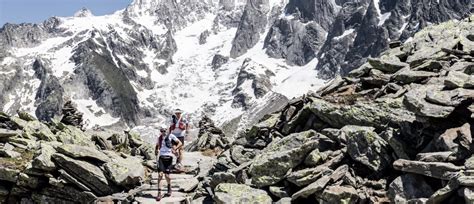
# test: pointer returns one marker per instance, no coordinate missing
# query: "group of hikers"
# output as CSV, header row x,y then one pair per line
x,y
170,142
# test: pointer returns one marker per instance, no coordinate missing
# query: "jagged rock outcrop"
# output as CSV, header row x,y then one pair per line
x,y
49,97
368,27
251,26
372,136
252,75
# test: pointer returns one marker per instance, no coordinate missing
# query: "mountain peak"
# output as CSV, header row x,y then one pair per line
x,y
83,12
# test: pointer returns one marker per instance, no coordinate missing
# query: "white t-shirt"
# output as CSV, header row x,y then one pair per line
x,y
165,150
178,132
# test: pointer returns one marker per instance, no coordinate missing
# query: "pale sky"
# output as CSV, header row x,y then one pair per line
x,y
36,11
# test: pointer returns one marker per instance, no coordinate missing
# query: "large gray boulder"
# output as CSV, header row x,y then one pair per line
x,y
35,129
239,193
8,174
281,156
409,187
73,135
88,174
407,76
125,172
367,147
5,134
307,176
43,160
339,195
318,185
415,101
439,170
459,80
374,114
456,140
83,152
387,65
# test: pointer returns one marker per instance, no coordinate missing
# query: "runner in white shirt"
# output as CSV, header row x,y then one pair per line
x,y
166,149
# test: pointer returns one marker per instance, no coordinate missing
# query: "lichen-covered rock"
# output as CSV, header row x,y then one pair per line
x,y
318,185
281,156
10,175
221,177
367,147
90,175
4,133
339,195
459,80
239,193
43,160
125,172
386,65
35,128
374,114
73,135
415,99
83,152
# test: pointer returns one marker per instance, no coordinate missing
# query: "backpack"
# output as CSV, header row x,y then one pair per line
x,y
177,123
167,141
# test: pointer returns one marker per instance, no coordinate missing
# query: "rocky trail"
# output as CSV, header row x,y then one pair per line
x,y
182,184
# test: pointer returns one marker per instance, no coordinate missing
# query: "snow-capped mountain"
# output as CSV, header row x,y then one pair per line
x,y
235,60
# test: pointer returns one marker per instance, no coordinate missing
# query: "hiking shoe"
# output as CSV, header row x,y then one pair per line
x,y
168,194
158,198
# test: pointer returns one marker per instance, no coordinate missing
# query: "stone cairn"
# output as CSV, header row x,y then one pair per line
x,y
71,116
209,138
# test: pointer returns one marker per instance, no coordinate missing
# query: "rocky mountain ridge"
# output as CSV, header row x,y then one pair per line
x,y
398,129
134,66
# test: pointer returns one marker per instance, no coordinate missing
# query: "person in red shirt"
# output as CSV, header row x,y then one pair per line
x,y
179,127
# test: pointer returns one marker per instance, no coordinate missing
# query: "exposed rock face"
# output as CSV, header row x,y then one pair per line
x,y
49,97
252,25
295,41
251,75
367,28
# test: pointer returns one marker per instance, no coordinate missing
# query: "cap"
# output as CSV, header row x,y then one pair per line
x,y
178,110
163,127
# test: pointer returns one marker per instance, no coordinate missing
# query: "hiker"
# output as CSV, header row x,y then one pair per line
x,y
165,149
179,126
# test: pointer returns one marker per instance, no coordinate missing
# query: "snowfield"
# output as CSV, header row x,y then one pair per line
x,y
190,83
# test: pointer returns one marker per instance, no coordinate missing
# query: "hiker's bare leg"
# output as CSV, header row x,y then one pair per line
x,y
160,176
180,155
168,181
